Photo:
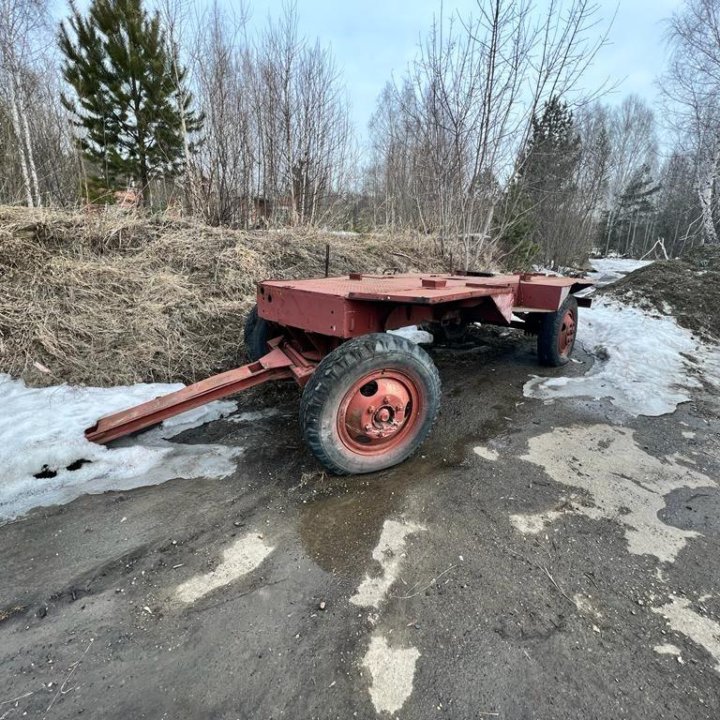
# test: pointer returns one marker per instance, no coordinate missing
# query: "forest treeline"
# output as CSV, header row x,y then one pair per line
x,y
490,142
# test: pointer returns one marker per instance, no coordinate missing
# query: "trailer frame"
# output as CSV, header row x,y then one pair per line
x,y
302,324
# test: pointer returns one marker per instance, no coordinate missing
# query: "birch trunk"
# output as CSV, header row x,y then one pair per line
x,y
17,130
30,155
706,194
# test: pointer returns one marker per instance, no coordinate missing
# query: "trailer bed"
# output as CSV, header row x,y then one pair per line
x,y
357,304
376,397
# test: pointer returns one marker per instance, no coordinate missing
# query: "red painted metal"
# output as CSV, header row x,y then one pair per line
x,y
276,365
314,316
566,336
378,412
358,304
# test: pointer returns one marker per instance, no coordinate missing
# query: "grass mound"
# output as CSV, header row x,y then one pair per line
x,y
688,288
107,301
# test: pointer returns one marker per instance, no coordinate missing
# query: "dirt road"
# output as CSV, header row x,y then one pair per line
x,y
536,560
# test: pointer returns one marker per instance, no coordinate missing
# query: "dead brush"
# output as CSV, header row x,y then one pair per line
x,y
102,300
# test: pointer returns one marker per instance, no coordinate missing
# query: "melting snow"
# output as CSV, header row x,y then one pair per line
x,y
535,523
389,552
626,484
486,453
392,671
242,557
642,361
42,428
608,270
667,649
702,630
414,334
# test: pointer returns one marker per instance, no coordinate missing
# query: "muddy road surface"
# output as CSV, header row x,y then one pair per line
x,y
536,560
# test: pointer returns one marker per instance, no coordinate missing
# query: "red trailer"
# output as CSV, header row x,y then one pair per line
x,y
370,397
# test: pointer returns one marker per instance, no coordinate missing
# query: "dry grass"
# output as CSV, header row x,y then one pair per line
x,y
105,301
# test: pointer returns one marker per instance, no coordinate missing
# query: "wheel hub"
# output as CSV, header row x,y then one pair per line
x,y
566,337
376,411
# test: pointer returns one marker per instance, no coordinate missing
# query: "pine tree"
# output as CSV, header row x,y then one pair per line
x,y
538,217
129,100
634,213
552,156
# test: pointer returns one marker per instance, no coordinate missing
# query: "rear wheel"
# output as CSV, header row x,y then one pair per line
x,y
256,335
556,336
370,404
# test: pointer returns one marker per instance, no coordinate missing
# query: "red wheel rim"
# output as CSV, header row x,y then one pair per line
x,y
379,412
566,338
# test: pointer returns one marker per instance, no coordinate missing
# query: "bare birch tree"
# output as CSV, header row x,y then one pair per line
x,y
692,87
175,17
468,103
277,140
633,145
21,23
226,156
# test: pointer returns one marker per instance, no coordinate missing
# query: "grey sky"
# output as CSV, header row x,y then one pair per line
x,y
374,39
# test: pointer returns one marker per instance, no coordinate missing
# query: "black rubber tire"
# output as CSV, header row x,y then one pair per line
x,y
549,333
337,373
256,334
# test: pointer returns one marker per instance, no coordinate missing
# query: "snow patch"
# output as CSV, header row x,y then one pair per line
x,y
608,270
42,432
699,629
254,415
584,605
392,671
627,484
241,558
486,453
641,361
667,649
535,523
388,552
414,334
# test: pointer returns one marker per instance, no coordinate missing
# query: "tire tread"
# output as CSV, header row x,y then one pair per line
x,y
333,369
547,339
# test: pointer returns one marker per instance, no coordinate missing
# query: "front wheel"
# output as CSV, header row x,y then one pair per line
x,y
370,404
556,336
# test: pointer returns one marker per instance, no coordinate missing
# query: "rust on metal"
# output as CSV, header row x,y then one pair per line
x,y
434,283
379,412
357,304
276,365
566,336
314,316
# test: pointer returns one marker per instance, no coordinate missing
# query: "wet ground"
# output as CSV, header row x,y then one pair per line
x,y
538,561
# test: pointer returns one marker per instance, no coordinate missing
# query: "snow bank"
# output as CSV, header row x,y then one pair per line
x,y
41,432
608,270
640,364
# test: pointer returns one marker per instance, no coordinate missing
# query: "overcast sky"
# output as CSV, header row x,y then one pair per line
x,y
374,39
